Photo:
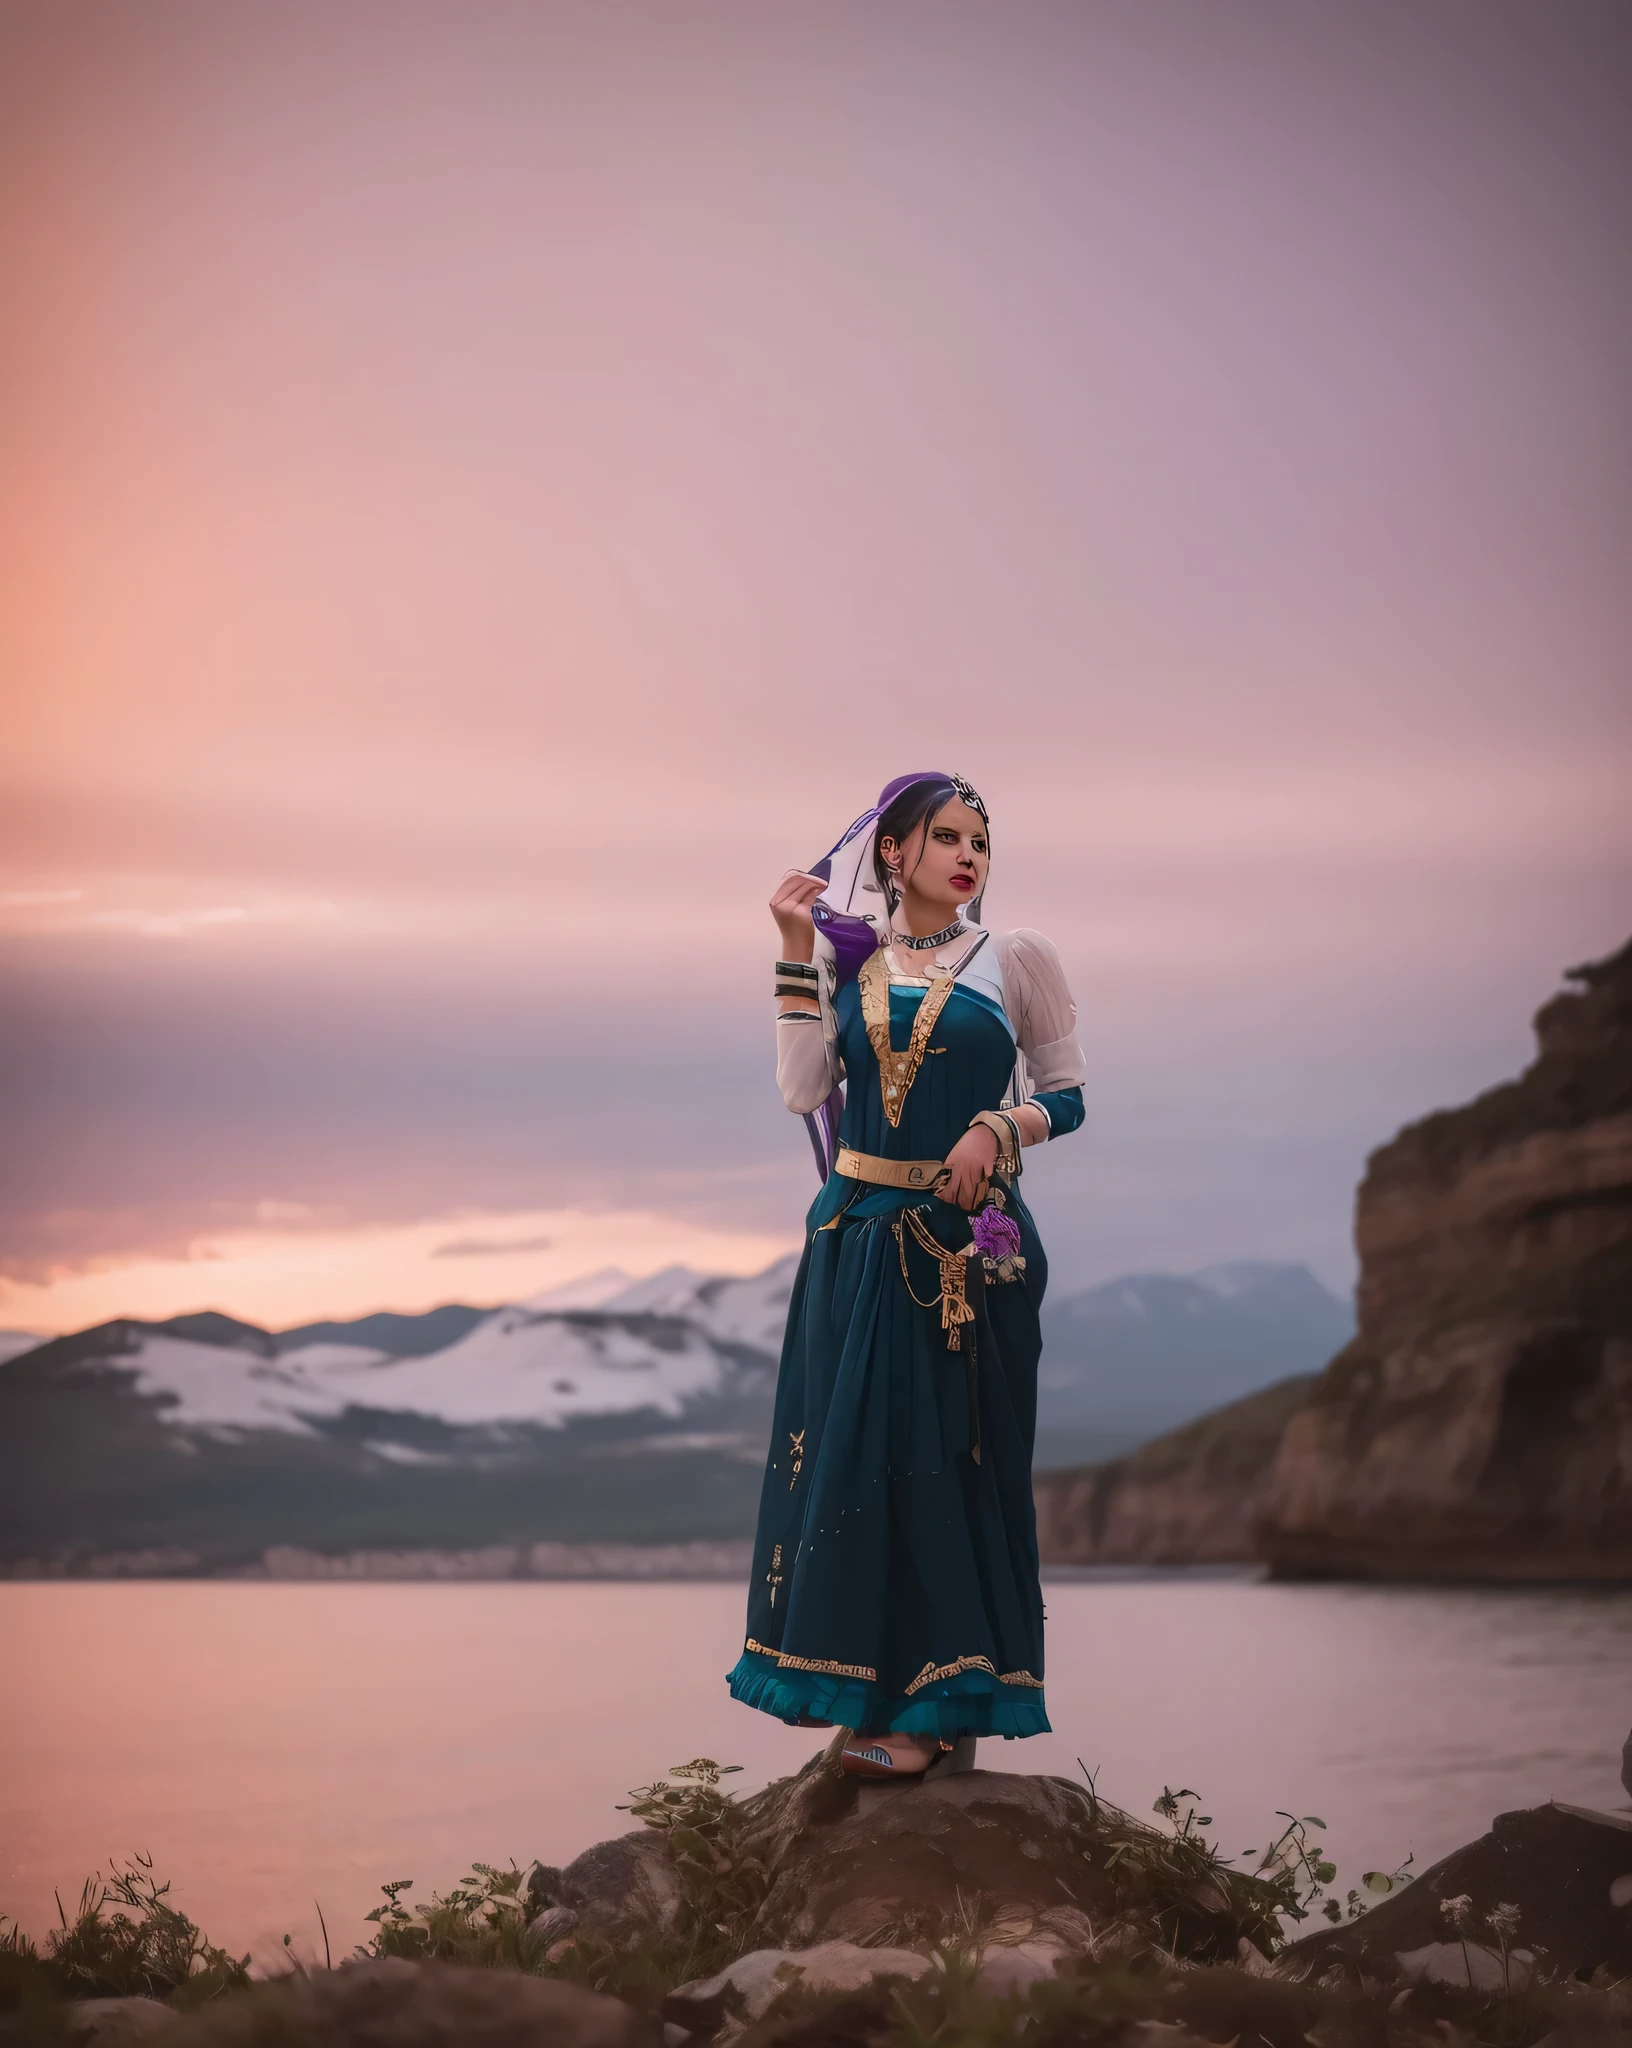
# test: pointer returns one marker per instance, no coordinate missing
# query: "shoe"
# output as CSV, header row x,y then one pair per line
x,y
872,1760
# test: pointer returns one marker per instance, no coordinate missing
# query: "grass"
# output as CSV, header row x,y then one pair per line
x,y
125,1940
1197,1915
1098,2003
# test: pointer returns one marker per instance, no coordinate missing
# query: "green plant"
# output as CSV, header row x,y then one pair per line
x,y
953,2006
1379,1883
1176,1882
1298,1870
126,1940
483,1920
1503,1921
1183,1883
13,1941
721,1885
27,1981
1295,1866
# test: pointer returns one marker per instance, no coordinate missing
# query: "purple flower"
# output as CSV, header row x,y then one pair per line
x,y
996,1236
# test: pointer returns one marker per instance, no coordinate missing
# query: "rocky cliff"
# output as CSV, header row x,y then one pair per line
x,y
1480,1424
1191,1497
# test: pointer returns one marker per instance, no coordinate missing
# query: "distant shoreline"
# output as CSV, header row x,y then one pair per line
x,y
492,1562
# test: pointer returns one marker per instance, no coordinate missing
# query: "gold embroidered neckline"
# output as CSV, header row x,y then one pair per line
x,y
897,1070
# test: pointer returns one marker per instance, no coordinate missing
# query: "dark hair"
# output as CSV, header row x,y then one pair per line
x,y
918,802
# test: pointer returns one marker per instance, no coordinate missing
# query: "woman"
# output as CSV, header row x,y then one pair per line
x,y
894,1589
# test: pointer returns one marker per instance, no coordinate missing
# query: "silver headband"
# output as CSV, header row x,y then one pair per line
x,y
968,793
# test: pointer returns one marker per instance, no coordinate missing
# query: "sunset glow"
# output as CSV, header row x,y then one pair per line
x,y
282,1277
488,489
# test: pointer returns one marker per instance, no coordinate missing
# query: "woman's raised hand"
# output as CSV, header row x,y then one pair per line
x,y
790,906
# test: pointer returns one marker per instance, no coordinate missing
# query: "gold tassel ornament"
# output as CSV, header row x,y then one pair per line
x,y
953,1298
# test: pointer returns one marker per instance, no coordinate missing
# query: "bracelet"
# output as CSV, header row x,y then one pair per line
x,y
802,968
1007,1136
798,1017
806,989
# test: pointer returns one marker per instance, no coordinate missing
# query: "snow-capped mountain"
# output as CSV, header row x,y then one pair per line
x,y
592,1290
1129,1357
750,1312
653,1347
513,1367
641,1419
614,1410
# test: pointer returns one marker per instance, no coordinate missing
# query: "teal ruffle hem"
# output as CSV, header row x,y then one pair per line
x,y
972,1703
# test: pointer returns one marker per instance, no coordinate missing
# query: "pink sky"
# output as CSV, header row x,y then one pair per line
x,y
485,487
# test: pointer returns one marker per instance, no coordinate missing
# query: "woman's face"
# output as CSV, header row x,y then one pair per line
x,y
944,862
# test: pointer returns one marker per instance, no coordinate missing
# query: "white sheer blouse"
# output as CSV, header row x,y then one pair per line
x,y
1021,969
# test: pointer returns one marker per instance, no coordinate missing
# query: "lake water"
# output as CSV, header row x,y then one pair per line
x,y
272,1745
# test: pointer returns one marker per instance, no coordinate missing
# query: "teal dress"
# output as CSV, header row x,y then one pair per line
x,y
894,1580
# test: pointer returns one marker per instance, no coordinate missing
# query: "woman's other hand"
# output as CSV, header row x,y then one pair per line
x,y
790,906
969,1167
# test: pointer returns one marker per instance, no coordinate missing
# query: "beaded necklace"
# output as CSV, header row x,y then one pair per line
x,y
943,937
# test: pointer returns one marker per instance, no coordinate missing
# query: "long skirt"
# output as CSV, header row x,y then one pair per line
x,y
895,1567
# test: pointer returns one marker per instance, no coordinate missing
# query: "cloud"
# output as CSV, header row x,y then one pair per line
x,y
431,663
50,913
279,1278
489,1247
169,924
180,924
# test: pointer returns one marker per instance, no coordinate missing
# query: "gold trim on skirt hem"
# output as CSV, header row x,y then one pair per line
x,y
823,1666
826,1668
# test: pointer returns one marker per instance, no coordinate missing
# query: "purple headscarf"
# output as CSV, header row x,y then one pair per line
x,y
847,870
853,934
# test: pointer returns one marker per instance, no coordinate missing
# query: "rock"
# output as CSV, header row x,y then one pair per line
x,y
554,1923
542,1888
982,1858
615,1889
1023,1872
1006,1971
114,2022
1161,2034
1192,1497
391,2003
910,1858
745,1991
779,1819
1559,1866
1468,1965
1478,1425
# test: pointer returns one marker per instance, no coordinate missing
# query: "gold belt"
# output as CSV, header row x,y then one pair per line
x,y
888,1173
